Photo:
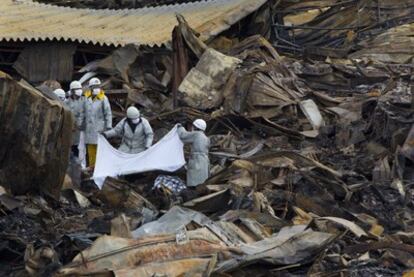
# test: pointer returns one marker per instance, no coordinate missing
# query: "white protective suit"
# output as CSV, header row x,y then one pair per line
x,y
133,142
98,117
198,166
77,107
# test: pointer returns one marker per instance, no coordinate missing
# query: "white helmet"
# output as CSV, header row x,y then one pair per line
x,y
133,113
200,124
94,82
60,93
75,85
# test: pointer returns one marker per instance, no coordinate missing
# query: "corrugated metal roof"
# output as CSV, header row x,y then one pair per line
x,y
99,4
22,20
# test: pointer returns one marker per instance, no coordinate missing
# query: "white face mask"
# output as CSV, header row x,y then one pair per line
x,y
136,120
96,91
78,92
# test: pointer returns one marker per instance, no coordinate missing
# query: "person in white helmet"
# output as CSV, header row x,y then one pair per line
x,y
60,94
98,118
198,166
76,104
135,131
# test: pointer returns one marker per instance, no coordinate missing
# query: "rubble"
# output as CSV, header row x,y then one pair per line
x,y
312,166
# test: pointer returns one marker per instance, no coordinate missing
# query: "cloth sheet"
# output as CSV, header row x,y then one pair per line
x,y
166,155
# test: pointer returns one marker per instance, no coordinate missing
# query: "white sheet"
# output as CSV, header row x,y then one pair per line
x,y
166,155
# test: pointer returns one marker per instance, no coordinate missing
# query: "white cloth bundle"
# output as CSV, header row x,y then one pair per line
x,y
166,155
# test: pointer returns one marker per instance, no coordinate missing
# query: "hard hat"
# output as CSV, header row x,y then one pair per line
x,y
75,85
200,124
60,93
133,113
94,82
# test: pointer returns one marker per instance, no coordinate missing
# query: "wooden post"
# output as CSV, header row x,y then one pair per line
x,y
180,63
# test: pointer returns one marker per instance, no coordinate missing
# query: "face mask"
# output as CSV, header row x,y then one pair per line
x,y
136,120
95,91
78,92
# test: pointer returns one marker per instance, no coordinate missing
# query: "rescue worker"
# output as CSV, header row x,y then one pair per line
x,y
60,93
135,131
198,166
76,105
97,118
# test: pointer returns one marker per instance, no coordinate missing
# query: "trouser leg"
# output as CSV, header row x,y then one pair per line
x,y
75,151
91,154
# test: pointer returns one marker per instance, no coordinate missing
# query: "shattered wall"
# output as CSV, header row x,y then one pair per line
x,y
35,135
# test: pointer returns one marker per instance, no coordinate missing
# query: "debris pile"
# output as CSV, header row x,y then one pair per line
x,y
312,163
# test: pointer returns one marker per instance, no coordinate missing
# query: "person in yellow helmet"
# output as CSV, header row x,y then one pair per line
x,y
97,119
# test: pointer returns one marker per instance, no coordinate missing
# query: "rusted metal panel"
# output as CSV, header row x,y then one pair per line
x,y
114,253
